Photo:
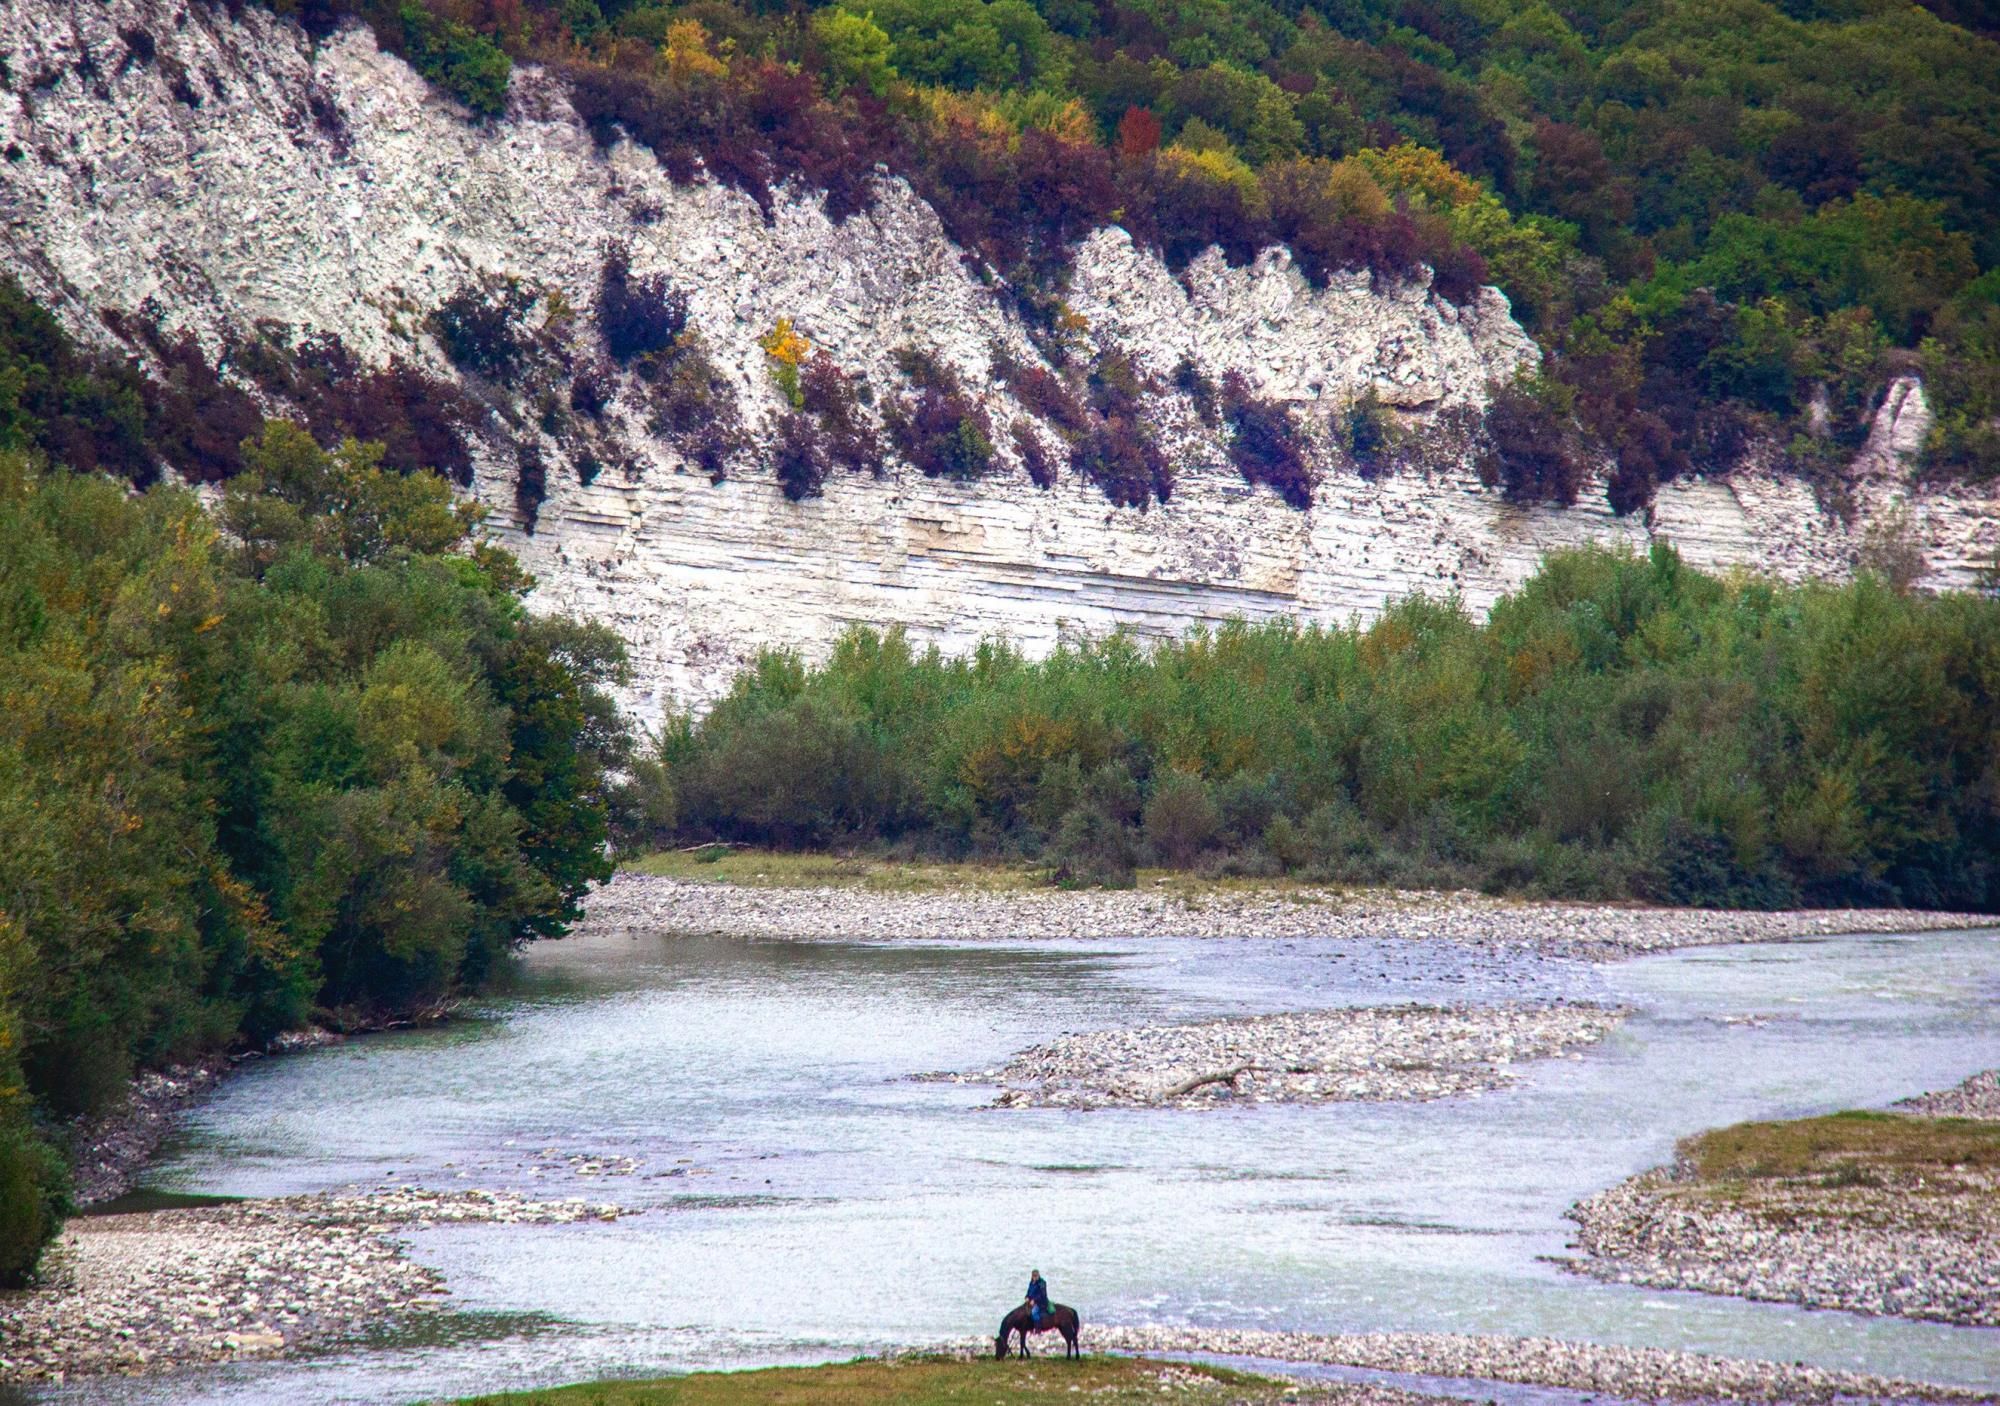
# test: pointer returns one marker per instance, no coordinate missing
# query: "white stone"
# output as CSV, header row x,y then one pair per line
x,y
244,208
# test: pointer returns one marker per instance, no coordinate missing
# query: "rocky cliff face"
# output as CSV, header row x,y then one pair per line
x,y
165,159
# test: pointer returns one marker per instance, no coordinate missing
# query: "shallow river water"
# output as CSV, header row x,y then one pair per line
x,y
806,1200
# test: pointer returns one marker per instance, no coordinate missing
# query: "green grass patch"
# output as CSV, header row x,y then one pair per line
x,y
763,868
1844,1147
924,1381
750,867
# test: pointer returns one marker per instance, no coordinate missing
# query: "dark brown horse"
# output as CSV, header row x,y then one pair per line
x,y
1062,1319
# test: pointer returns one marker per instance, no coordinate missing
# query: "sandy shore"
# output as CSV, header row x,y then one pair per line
x,y
159,1289
1594,931
1911,1242
1372,1053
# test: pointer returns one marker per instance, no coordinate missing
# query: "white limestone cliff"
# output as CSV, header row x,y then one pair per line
x,y
328,186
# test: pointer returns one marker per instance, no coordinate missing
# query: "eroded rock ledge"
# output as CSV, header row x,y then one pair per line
x,y
328,188
1370,1054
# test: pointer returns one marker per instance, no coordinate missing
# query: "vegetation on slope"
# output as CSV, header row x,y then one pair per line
x,y
1619,727
1722,218
322,760
927,1381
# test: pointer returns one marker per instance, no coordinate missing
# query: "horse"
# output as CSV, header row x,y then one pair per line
x,y
1061,1319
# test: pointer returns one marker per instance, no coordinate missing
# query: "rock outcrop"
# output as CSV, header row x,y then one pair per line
x,y
224,170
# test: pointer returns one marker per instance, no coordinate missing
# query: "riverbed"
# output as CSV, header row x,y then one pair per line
x,y
802,1197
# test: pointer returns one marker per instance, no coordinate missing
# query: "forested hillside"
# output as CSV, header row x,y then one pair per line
x,y
1727,222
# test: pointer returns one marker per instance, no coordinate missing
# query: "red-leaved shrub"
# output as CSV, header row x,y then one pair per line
x,y
1264,444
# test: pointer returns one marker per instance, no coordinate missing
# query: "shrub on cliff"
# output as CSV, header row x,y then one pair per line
x,y
937,424
638,314
1123,460
1264,443
1532,453
695,407
799,457
1042,392
1035,456
838,401
480,329
459,59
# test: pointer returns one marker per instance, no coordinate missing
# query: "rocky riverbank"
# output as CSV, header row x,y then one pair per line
x,y
108,1151
213,1283
1976,1097
1871,1215
1628,1373
1367,1054
1595,931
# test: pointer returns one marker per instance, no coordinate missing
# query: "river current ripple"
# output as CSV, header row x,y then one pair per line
x,y
808,1201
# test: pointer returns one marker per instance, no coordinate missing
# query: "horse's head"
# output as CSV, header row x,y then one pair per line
x,y
1000,1345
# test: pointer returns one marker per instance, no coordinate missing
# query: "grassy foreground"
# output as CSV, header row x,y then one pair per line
x,y
925,1381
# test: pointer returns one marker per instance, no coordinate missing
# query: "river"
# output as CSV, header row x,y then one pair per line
x,y
806,1200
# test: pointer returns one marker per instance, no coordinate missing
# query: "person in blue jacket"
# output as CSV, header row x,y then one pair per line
x,y
1038,1297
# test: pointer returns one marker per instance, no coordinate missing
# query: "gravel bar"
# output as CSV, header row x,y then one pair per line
x,y
1376,1053
160,1289
1629,1373
1977,1097
1593,931
1912,1245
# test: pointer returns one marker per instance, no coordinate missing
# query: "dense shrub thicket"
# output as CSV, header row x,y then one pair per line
x,y
1711,216
1619,727
326,761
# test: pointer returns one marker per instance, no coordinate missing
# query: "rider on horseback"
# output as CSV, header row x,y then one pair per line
x,y
1038,1298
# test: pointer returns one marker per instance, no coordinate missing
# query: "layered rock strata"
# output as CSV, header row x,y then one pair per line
x,y
227,171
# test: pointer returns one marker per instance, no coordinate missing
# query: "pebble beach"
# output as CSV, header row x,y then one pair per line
x,y
1592,931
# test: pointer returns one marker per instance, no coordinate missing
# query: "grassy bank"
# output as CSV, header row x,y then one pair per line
x,y
1863,1212
928,1381
752,867
1843,1149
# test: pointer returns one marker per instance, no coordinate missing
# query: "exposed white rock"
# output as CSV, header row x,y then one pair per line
x,y
330,187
